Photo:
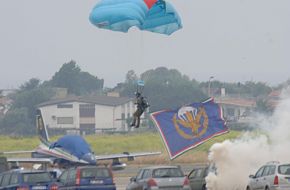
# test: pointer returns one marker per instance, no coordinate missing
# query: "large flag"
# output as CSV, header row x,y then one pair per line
x,y
189,126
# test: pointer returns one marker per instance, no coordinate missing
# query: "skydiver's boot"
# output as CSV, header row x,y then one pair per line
x,y
133,122
138,122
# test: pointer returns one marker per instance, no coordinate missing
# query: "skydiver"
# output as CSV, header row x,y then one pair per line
x,y
141,107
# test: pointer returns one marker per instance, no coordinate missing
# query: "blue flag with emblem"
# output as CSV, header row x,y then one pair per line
x,y
189,126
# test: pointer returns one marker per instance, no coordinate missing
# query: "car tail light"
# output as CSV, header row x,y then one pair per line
x,y
54,187
23,188
151,182
78,177
186,181
276,180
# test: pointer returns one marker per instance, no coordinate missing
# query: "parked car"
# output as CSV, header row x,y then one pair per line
x,y
159,177
197,177
20,179
271,176
198,174
87,177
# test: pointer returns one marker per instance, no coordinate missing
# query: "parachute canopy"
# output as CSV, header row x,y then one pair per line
x,y
151,15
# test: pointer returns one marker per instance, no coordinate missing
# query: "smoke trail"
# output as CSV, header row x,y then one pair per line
x,y
237,159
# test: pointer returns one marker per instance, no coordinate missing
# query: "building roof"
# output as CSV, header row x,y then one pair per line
x,y
99,100
237,102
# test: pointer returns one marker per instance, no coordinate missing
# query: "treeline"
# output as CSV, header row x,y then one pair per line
x,y
165,88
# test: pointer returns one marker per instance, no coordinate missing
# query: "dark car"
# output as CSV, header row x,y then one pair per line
x,y
26,180
87,177
198,174
197,177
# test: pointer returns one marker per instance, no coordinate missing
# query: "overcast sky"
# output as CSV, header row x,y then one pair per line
x,y
232,40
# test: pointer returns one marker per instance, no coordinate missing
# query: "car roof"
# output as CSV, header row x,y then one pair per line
x,y
85,167
160,167
25,171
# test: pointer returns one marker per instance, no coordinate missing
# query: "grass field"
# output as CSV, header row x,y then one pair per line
x,y
133,142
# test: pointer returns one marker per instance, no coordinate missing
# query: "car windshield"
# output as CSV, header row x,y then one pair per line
x,y
42,177
284,169
95,172
167,172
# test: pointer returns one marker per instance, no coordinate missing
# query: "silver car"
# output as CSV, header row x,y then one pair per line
x,y
159,177
271,176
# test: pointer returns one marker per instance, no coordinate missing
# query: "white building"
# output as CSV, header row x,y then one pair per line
x,y
88,114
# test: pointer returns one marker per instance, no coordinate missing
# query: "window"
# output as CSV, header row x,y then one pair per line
x,y
64,106
199,172
284,169
259,172
146,174
192,174
87,110
266,171
272,170
1,176
167,172
139,176
14,179
95,173
63,177
72,175
65,120
5,180
36,177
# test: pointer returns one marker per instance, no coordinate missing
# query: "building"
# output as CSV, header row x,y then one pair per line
x,y
235,109
86,115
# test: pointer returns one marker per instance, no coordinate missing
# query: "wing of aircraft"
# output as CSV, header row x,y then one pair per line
x,y
125,155
69,150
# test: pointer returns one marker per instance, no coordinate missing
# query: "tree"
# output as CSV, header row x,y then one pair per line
x,y
20,119
166,88
76,81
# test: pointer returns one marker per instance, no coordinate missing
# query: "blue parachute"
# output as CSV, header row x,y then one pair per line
x,y
162,18
151,15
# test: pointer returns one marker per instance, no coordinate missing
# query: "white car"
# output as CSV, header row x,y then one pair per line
x,y
271,176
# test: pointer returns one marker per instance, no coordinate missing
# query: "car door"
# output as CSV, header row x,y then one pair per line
x,y
257,180
6,180
142,182
71,177
62,180
134,185
265,177
196,178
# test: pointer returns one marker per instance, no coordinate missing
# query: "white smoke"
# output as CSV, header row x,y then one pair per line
x,y
235,160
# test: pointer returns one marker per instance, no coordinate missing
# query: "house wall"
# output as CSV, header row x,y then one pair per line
x,y
67,117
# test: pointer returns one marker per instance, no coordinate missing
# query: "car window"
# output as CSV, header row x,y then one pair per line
x,y
259,172
63,177
1,176
272,170
139,175
146,174
14,179
95,173
72,175
5,180
266,171
36,177
284,169
199,172
192,174
167,172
